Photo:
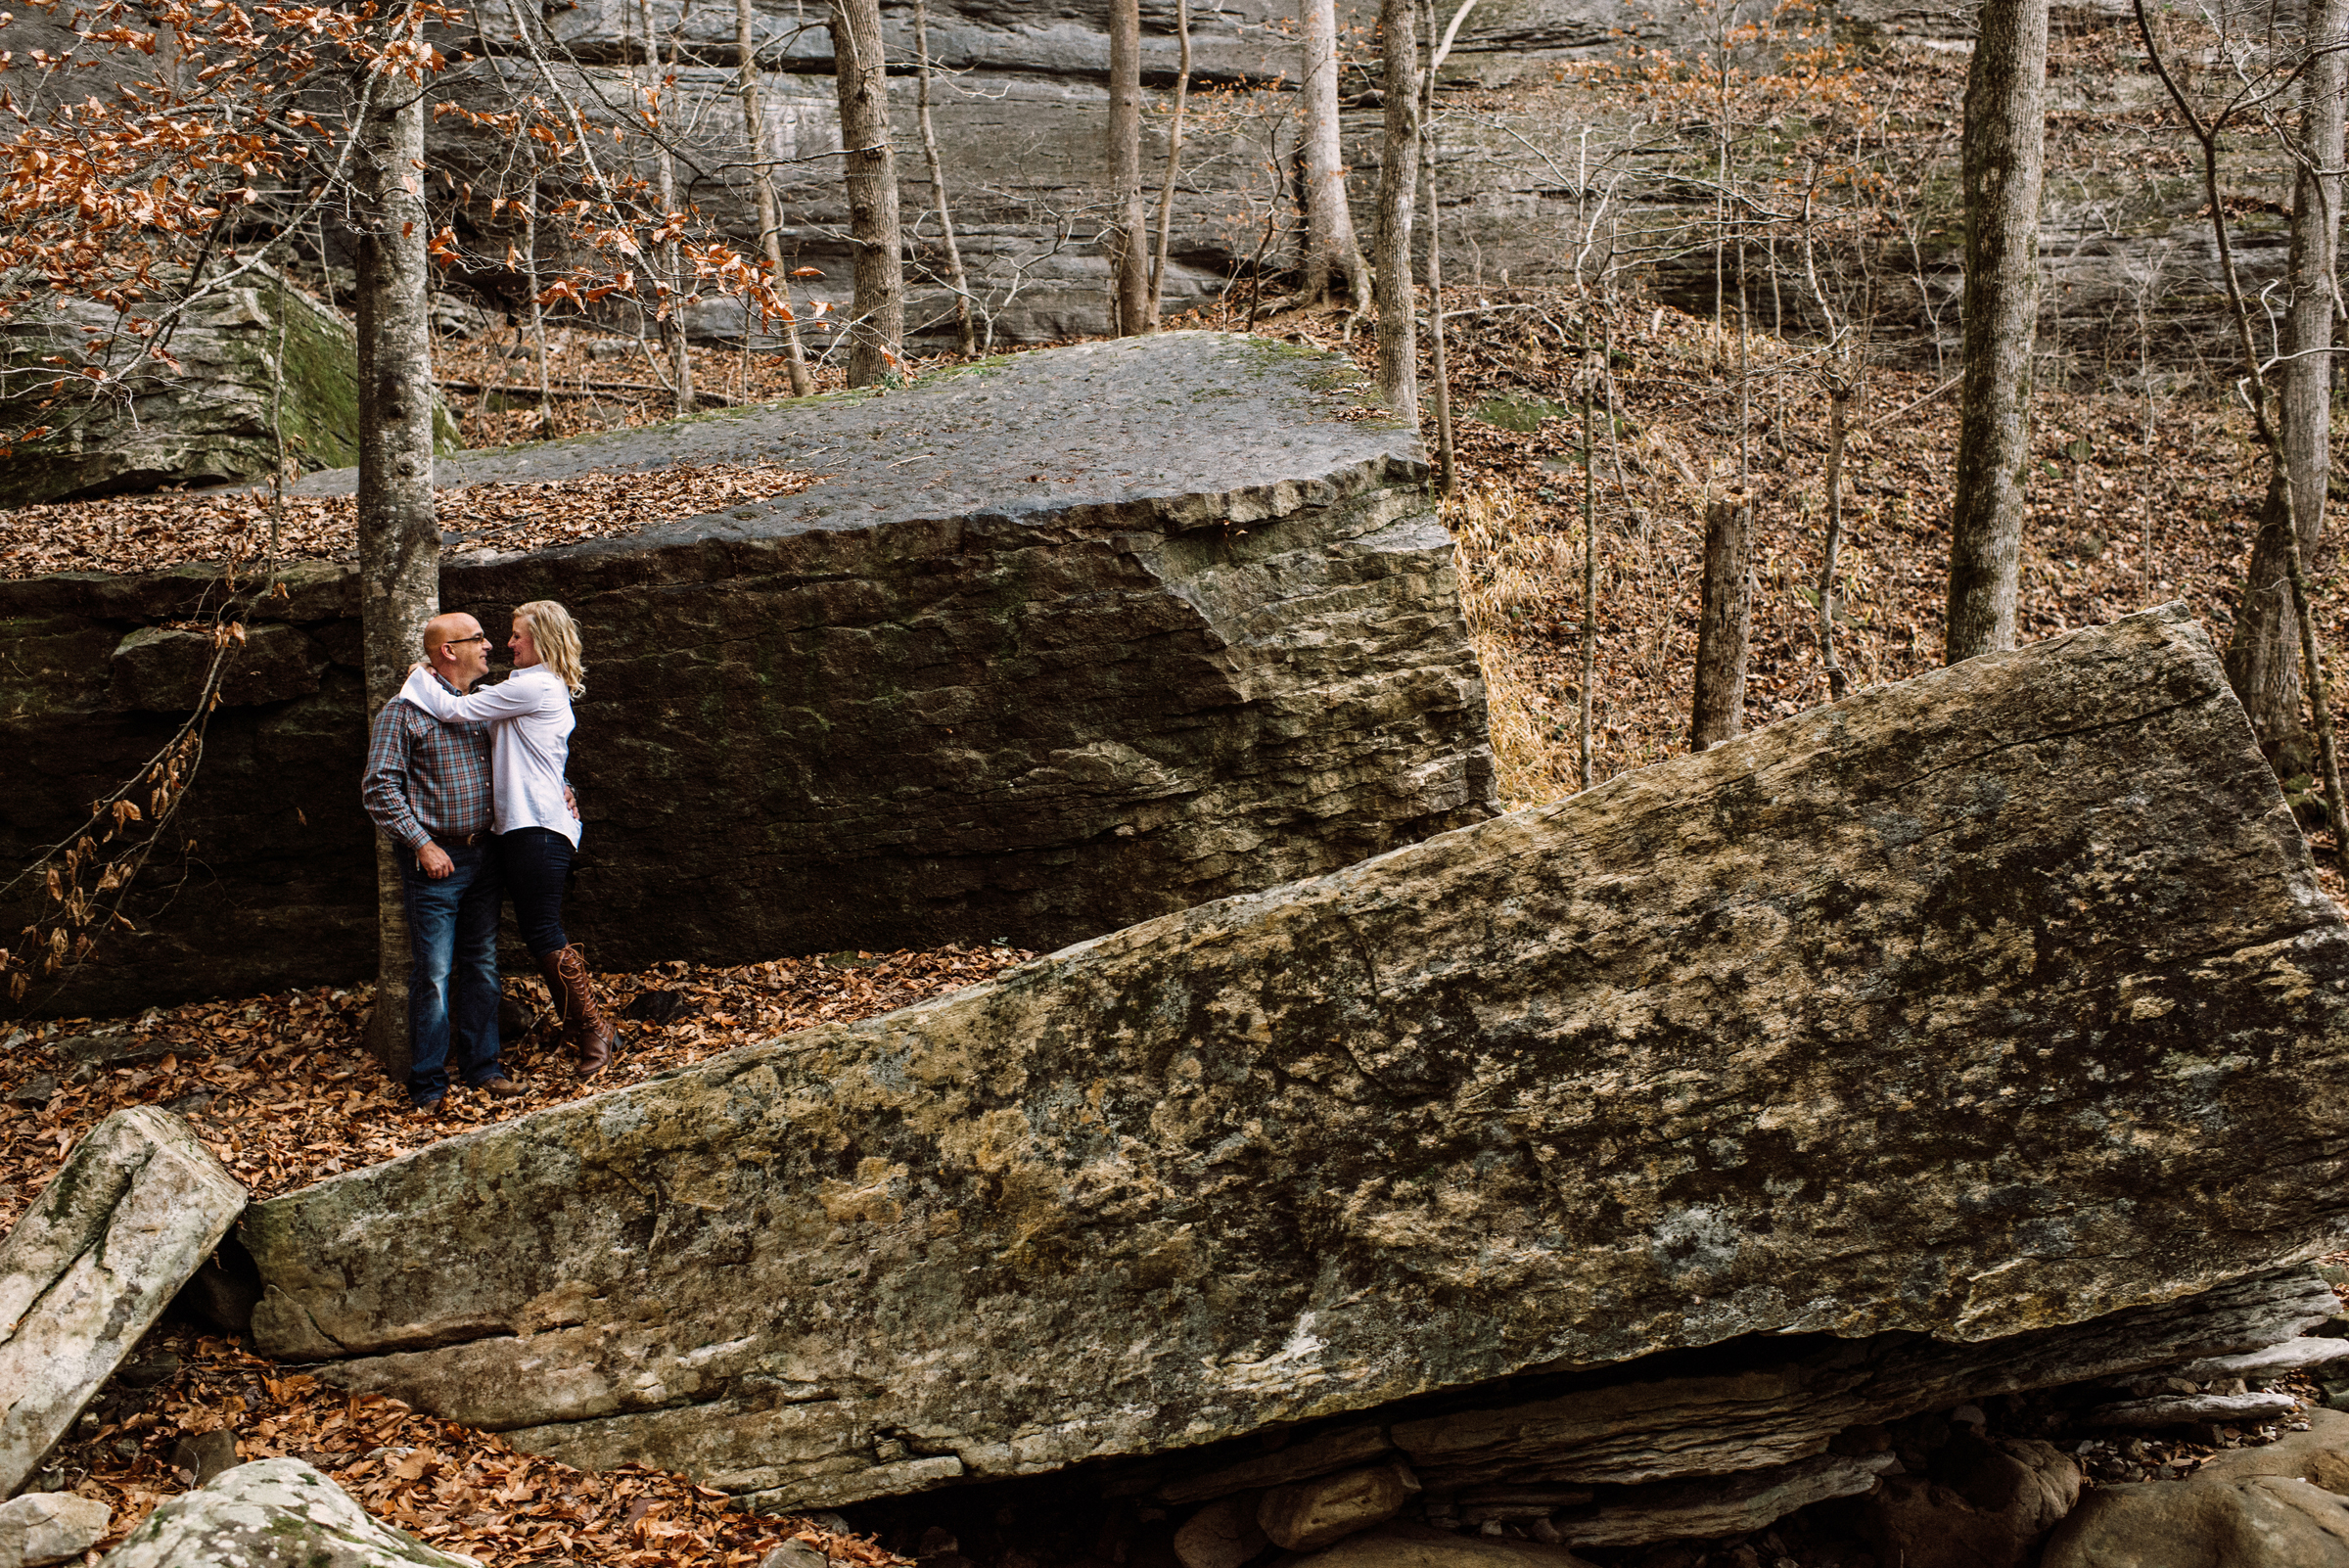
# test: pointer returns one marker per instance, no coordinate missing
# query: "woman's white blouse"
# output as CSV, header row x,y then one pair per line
x,y
531,717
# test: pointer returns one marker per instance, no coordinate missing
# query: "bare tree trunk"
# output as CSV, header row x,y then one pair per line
x,y
1446,458
1129,242
529,261
1725,624
399,535
2263,657
1839,404
1331,250
2004,137
1397,193
1166,191
955,276
876,344
1589,549
770,220
664,188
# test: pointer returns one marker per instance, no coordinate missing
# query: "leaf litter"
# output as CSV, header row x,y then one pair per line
x,y
281,1088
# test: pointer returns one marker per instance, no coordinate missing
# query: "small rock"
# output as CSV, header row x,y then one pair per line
x,y
206,1455
1407,1545
2264,1522
2183,1410
1222,1535
1308,1515
794,1553
1981,1505
272,1513
658,1007
149,1372
37,1091
42,1527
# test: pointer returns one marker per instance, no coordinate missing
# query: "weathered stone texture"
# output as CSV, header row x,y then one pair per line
x,y
136,1207
202,420
1062,642
1976,1007
2277,1506
46,1527
272,1513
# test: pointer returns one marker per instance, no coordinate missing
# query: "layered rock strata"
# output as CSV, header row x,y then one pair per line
x,y
1979,1007
136,1207
1061,642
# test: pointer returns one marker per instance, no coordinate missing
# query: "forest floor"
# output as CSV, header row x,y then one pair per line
x,y
2134,502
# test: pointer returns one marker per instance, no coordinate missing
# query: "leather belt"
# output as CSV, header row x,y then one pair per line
x,y
458,841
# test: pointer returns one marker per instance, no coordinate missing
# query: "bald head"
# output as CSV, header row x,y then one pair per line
x,y
456,649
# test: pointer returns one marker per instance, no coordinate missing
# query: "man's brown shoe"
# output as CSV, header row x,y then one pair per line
x,y
502,1089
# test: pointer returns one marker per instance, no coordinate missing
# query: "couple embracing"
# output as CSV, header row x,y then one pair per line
x,y
470,785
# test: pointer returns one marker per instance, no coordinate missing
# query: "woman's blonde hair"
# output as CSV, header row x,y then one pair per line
x,y
558,638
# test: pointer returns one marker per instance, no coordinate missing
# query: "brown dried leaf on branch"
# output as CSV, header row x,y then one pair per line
x,y
149,532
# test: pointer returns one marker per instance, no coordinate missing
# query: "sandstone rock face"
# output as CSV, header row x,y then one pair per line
x,y
136,1207
1984,1505
1308,1515
45,1527
1063,642
1981,1006
205,420
272,1513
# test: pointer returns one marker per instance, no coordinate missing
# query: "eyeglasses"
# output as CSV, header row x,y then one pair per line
x,y
456,642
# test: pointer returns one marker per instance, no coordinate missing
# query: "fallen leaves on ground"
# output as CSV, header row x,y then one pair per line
x,y
148,532
280,1090
459,1490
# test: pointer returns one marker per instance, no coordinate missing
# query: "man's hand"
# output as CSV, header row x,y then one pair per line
x,y
570,802
434,862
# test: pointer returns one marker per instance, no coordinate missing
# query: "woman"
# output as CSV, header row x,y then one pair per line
x,y
537,836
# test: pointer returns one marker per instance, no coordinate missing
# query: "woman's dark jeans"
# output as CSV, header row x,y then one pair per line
x,y
536,862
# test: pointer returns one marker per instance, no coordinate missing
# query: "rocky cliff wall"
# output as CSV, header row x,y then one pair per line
x,y
1061,642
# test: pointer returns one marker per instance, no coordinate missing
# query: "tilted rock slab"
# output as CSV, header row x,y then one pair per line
x,y
136,1207
1061,643
1995,1002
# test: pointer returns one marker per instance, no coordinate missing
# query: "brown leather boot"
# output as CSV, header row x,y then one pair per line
x,y
585,1028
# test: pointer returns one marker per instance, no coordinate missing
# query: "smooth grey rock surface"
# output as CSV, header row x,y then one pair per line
x,y
2017,974
1065,641
45,1527
2184,1409
135,1208
272,1513
2274,1361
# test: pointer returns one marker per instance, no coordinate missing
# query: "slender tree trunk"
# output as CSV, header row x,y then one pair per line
x,y
1446,458
1331,250
1839,404
399,535
1129,242
664,188
1397,193
2262,657
770,220
1725,624
955,276
2005,135
1166,190
529,261
1590,550
876,344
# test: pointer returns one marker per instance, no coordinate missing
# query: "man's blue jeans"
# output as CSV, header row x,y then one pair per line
x,y
452,979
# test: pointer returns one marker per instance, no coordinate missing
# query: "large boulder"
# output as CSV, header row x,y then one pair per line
x,y
201,417
272,1513
136,1209
1982,1007
1061,643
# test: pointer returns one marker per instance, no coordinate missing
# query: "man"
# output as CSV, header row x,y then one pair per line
x,y
428,786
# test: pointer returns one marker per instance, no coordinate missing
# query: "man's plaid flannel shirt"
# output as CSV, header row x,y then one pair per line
x,y
426,778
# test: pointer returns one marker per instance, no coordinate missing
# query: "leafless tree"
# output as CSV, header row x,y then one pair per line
x,y
876,333
1397,194
956,279
763,190
1331,250
2005,139
1127,238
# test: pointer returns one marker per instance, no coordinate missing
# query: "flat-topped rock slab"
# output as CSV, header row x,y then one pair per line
x,y
1062,642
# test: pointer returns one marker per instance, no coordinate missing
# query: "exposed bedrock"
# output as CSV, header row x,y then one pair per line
x,y
1979,1007
1060,643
